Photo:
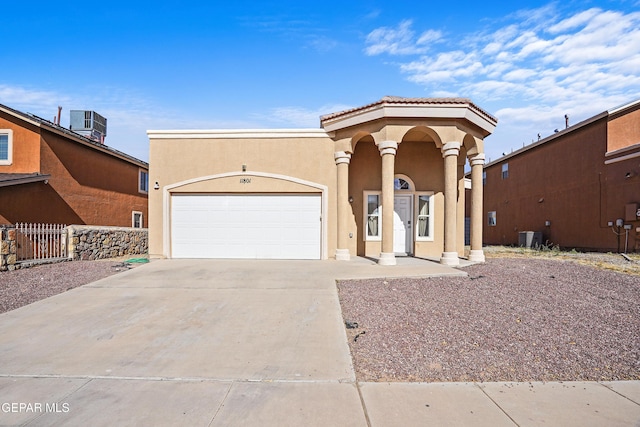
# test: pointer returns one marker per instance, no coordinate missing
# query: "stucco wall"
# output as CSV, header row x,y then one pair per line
x,y
35,203
622,188
624,130
26,146
86,186
180,158
564,181
98,189
177,160
422,163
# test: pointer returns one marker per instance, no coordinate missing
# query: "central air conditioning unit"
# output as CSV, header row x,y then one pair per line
x,y
89,124
530,239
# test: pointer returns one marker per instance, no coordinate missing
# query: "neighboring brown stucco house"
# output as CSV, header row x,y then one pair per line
x,y
49,174
580,187
382,180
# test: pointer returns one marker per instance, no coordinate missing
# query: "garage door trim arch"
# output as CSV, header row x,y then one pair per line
x,y
169,189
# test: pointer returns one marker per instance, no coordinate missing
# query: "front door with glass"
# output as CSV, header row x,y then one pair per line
x,y
402,227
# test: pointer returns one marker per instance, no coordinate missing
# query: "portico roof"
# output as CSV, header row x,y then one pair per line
x,y
399,107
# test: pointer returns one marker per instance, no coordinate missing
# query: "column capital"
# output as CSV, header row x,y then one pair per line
x,y
342,157
451,149
478,159
387,147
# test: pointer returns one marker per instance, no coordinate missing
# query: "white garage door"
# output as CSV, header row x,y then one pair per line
x,y
246,226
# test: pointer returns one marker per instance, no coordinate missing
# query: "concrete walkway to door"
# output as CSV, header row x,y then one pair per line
x,y
230,342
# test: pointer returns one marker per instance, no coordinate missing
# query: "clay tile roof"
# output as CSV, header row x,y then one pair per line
x,y
390,100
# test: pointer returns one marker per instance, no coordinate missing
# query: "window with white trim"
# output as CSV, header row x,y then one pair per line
x,y
6,146
137,220
143,181
424,230
373,216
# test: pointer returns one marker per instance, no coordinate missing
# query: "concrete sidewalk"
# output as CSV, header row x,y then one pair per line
x,y
229,342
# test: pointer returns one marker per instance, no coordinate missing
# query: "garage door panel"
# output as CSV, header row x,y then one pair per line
x,y
246,226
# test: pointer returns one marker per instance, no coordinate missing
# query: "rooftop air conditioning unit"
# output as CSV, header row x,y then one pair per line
x,y
89,124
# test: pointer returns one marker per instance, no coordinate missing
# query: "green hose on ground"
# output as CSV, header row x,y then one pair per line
x,y
137,260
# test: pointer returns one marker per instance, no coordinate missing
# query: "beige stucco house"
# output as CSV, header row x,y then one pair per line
x,y
382,180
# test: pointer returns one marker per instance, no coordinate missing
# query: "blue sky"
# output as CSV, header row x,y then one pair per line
x,y
282,64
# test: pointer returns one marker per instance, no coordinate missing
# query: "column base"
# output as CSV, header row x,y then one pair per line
x,y
343,255
449,258
387,258
476,255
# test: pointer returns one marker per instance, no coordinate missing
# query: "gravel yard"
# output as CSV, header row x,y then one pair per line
x,y
512,319
27,285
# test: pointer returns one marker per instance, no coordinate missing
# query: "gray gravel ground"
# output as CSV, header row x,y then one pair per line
x,y
512,319
27,285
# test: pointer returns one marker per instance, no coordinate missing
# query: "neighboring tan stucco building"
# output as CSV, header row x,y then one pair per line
x,y
382,180
573,187
49,174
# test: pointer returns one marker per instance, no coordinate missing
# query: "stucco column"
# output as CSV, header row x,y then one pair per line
x,y
476,254
450,153
388,152
342,163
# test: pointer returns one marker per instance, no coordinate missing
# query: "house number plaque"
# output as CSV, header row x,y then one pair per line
x,y
245,180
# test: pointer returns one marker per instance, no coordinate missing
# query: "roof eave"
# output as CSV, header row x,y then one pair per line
x,y
25,180
236,133
72,135
95,145
549,138
460,111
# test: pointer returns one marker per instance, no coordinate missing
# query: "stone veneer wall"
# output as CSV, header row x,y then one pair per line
x,y
8,247
84,242
93,242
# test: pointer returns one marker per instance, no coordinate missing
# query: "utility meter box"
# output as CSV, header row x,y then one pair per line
x,y
631,212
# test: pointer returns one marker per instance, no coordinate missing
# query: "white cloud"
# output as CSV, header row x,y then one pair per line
x,y
400,40
574,21
299,117
36,101
322,44
446,66
129,115
539,65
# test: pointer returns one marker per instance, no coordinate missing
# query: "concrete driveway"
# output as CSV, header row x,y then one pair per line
x,y
222,342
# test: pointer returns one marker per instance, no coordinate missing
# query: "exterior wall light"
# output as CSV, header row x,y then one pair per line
x,y
350,199
244,168
547,223
156,186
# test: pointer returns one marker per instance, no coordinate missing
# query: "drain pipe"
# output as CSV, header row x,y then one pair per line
x,y
626,236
